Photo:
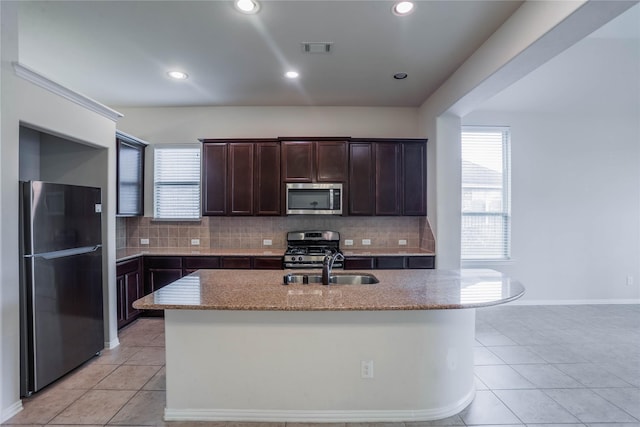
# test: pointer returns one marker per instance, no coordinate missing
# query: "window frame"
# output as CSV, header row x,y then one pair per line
x,y
505,212
197,182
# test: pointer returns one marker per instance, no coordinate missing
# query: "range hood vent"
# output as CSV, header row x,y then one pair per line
x,y
317,47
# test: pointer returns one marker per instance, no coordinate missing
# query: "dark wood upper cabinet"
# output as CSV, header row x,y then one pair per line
x,y
314,161
267,178
361,190
297,161
214,179
130,175
241,178
384,177
388,161
331,161
414,157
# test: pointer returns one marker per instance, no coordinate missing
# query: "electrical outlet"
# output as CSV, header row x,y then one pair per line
x,y
629,280
144,241
267,242
348,242
366,242
402,242
195,242
366,368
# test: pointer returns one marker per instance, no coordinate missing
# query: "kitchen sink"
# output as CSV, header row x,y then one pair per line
x,y
334,279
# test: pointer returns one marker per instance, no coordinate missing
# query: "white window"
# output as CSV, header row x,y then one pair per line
x,y
486,211
176,182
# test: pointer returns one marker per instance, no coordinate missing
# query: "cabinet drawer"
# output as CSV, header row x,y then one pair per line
x,y
125,267
162,262
198,262
235,262
421,262
359,263
267,263
390,262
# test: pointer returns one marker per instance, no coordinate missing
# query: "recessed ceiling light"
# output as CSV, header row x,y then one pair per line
x,y
247,6
402,8
400,76
178,75
291,74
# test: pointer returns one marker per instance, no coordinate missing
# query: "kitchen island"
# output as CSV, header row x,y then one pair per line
x,y
241,346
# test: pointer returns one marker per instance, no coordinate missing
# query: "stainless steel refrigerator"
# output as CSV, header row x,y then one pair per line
x,y
61,322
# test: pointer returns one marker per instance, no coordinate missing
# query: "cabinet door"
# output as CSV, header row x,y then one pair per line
x,y
388,189
331,161
121,301
267,175
130,177
414,156
361,183
134,291
214,179
297,161
160,271
129,288
241,178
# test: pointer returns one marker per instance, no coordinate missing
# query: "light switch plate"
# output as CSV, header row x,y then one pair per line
x,y
195,242
366,242
144,241
267,242
348,242
402,242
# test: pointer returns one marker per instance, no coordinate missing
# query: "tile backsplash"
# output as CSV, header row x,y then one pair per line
x,y
250,232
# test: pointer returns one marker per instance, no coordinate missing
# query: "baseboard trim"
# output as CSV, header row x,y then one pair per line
x,y
575,302
318,416
112,344
11,411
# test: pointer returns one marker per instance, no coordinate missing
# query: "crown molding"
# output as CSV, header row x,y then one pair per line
x,y
44,82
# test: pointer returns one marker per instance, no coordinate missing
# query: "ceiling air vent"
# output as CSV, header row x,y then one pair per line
x,y
317,47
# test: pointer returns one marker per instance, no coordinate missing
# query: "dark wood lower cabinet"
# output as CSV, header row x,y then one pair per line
x,y
267,263
360,263
389,262
236,262
129,287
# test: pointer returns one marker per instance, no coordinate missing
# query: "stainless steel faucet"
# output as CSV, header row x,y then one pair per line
x,y
327,265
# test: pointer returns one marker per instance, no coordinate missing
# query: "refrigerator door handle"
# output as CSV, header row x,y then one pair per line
x,y
65,252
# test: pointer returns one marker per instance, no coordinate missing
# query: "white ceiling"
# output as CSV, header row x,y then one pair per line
x,y
598,75
117,52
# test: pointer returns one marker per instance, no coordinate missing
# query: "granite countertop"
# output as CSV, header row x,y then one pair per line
x,y
397,290
128,253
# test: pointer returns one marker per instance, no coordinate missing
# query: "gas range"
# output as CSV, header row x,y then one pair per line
x,y
307,249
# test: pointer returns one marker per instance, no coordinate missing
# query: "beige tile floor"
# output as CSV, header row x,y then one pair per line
x,y
537,366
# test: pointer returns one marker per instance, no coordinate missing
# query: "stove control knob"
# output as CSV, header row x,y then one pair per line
x,y
293,258
299,258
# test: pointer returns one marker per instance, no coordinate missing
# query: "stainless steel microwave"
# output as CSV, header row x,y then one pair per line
x,y
314,199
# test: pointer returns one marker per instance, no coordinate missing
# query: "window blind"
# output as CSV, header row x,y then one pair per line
x,y
176,178
486,217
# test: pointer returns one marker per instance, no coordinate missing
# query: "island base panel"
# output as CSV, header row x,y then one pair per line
x,y
305,366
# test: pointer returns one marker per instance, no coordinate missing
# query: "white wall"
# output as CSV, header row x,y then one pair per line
x,y
535,33
187,124
575,204
25,103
